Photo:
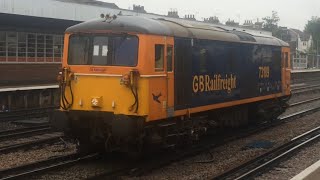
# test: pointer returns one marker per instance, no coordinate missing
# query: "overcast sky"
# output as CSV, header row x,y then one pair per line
x,y
292,13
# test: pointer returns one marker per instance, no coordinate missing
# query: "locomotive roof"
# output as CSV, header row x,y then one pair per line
x,y
174,27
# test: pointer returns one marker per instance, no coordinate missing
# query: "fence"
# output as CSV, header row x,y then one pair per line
x,y
308,62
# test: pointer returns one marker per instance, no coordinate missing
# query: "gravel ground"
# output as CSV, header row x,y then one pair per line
x,y
234,153
33,155
79,171
8,126
88,169
294,165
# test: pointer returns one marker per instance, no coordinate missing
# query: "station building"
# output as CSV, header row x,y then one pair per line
x,y
31,35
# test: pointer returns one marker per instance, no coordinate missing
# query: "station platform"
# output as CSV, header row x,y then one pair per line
x,y
28,88
305,71
24,98
311,173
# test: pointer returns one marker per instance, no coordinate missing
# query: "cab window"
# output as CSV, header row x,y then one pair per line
x,y
103,50
286,54
100,50
159,57
169,59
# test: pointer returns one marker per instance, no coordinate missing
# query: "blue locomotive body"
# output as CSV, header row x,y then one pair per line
x,y
220,72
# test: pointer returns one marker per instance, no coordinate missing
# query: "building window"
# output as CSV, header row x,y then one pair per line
x,y
286,58
159,57
32,46
49,46
3,47
40,45
203,60
12,44
22,45
57,46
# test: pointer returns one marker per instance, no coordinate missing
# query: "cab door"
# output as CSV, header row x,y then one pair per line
x,y
158,82
170,76
286,70
161,82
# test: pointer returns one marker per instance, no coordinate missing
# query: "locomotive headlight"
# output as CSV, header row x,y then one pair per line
x,y
96,101
125,80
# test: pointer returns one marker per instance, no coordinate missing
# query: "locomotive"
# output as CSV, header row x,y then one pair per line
x,y
130,81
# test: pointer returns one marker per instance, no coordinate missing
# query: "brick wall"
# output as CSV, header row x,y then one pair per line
x,y
28,74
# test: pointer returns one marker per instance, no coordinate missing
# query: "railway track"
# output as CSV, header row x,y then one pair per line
x,y
266,161
24,132
305,81
27,170
304,102
141,168
23,113
28,144
207,144
305,89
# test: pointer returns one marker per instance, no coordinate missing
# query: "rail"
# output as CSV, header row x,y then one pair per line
x,y
211,142
27,145
23,113
261,163
25,132
304,102
42,166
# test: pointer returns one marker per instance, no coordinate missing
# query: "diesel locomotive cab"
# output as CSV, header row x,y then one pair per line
x,y
99,84
98,66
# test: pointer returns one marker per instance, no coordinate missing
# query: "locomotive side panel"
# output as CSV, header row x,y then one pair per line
x,y
224,72
221,72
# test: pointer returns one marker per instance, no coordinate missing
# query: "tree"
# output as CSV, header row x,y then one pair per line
x,y
313,28
271,24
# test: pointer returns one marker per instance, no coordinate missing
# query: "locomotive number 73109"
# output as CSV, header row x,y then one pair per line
x,y
264,72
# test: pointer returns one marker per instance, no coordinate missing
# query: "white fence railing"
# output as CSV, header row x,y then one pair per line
x,y
300,63
309,62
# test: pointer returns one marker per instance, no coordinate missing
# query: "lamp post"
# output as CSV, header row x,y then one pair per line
x,y
317,46
317,53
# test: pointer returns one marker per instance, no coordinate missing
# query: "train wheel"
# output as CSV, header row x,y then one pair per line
x,y
135,151
85,146
82,147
